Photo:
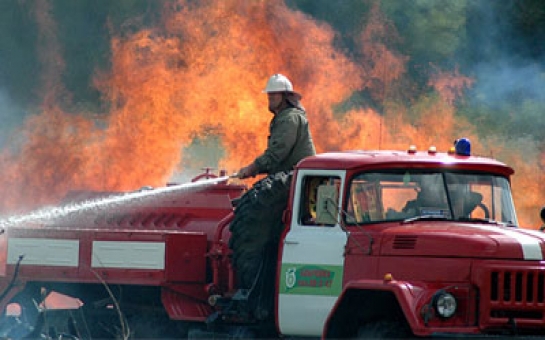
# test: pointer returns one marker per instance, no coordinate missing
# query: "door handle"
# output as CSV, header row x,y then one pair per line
x,y
290,242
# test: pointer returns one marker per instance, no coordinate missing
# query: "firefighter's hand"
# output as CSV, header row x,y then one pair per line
x,y
247,171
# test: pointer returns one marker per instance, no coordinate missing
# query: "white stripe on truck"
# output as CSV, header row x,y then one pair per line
x,y
105,254
132,255
43,252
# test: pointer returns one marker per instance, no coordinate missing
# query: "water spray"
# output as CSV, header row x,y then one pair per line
x,y
51,213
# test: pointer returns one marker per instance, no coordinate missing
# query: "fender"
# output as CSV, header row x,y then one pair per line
x,y
407,295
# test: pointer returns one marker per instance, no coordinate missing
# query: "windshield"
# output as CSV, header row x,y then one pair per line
x,y
400,195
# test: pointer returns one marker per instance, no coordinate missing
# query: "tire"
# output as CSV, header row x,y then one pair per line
x,y
384,330
257,222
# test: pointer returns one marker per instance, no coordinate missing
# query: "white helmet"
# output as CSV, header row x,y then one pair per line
x,y
278,83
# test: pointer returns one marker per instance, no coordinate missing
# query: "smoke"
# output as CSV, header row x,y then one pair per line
x,y
11,117
137,93
505,83
508,67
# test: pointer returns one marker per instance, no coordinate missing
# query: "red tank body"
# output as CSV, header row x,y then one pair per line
x,y
166,240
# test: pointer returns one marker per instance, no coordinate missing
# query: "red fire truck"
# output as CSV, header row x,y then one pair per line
x,y
361,244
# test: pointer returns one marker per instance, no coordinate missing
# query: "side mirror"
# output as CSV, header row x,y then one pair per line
x,y
327,204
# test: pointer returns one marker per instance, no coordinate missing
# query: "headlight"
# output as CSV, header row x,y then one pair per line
x,y
445,305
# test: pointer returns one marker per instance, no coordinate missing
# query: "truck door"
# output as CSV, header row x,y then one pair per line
x,y
312,259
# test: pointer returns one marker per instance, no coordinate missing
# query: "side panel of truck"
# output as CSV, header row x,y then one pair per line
x,y
311,275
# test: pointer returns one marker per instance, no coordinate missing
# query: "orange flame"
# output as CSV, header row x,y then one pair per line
x,y
201,74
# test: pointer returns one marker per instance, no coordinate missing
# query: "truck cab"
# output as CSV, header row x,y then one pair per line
x,y
414,243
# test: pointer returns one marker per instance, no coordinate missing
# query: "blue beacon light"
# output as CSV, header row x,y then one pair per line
x,y
462,147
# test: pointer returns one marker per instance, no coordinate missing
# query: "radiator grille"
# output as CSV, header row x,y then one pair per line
x,y
517,287
517,294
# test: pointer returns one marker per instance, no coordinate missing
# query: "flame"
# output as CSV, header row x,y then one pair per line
x,y
450,86
382,65
200,73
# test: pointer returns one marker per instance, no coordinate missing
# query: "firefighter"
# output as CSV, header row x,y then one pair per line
x,y
289,138
257,224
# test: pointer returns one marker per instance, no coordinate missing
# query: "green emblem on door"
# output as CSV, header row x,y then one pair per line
x,y
304,279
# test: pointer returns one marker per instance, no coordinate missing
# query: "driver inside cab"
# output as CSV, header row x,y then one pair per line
x,y
431,198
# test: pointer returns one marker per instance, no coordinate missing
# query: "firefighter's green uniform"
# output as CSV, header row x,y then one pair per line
x,y
289,142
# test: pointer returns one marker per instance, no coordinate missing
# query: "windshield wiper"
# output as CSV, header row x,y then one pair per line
x,y
476,219
487,221
425,218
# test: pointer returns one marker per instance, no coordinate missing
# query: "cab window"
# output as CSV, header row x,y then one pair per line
x,y
311,185
414,193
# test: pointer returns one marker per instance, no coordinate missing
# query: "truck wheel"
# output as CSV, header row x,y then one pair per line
x,y
258,221
384,330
